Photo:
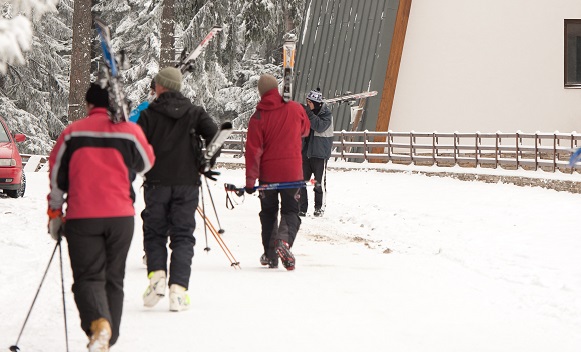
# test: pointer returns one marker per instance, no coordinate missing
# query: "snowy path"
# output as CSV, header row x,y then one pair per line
x,y
470,267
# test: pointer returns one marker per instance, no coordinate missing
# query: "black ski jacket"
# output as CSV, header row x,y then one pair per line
x,y
169,123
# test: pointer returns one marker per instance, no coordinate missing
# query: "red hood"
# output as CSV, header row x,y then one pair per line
x,y
271,100
6,150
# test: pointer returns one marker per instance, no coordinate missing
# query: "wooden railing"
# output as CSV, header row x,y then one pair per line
x,y
528,151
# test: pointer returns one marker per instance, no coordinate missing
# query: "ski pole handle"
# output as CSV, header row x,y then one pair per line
x,y
229,187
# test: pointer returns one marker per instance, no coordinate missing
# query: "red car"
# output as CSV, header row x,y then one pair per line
x,y
12,178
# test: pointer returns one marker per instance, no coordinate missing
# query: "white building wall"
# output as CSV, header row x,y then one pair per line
x,y
495,65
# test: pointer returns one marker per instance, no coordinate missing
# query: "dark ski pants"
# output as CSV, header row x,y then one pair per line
x,y
98,251
317,167
170,213
289,224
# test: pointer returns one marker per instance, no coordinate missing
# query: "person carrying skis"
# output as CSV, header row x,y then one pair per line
x,y
91,163
172,124
316,150
273,154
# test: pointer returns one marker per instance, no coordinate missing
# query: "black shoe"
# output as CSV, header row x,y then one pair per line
x,y
263,259
273,263
302,214
286,256
318,212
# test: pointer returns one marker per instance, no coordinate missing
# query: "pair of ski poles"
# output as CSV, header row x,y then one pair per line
x,y
239,191
216,233
15,348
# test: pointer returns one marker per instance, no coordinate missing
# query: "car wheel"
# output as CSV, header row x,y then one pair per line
x,y
20,191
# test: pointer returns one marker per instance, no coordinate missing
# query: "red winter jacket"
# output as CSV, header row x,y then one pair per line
x,y
91,163
273,146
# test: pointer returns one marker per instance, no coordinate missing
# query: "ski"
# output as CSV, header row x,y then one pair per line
x,y
288,63
117,102
216,144
186,62
575,158
350,97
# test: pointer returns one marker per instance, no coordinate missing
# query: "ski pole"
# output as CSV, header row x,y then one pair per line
x,y
207,248
214,206
239,191
15,347
63,291
233,262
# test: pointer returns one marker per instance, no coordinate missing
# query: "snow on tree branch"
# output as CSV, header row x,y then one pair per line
x,y
16,32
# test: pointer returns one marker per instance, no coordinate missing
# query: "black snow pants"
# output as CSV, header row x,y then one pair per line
x,y
98,251
289,224
317,167
170,213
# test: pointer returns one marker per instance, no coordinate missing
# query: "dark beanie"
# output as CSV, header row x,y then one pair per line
x,y
97,96
170,78
266,83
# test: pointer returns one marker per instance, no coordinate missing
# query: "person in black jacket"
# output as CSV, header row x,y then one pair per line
x,y
171,188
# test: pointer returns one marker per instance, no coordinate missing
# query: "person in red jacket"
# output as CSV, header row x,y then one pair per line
x,y
273,154
92,163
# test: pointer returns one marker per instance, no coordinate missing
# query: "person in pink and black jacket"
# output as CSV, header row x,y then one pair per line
x,y
91,167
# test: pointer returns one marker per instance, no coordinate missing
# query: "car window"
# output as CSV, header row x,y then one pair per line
x,y
3,135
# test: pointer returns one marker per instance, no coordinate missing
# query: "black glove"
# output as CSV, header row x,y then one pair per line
x,y
210,174
249,190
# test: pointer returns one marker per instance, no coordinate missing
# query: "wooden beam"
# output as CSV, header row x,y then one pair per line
x,y
393,63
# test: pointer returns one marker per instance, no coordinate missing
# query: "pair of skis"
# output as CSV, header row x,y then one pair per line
x,y
350,97
288,63
186,65
118,103
187,60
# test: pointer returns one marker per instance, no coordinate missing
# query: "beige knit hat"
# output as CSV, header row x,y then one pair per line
x,y
265,83
170,78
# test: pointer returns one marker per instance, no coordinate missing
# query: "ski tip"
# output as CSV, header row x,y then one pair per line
x,y
98,21
575,158
290,37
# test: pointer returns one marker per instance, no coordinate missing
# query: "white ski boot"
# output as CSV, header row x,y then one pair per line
x,y
178,298
156,289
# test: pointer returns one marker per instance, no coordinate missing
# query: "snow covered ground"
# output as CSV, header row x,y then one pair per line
x,y
399,263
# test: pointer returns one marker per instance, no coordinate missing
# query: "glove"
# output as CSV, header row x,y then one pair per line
x,y
210,174
55,223
249,190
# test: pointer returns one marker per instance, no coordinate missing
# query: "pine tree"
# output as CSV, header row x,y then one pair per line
x,y
35,94
35,97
